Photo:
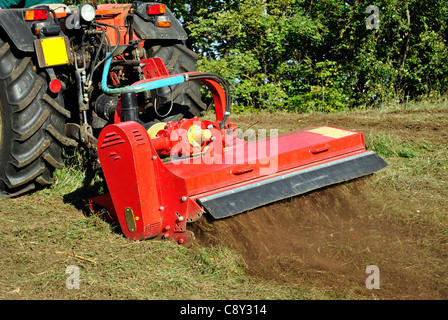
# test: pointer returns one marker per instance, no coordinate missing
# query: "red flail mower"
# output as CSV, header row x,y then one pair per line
x,y
161,176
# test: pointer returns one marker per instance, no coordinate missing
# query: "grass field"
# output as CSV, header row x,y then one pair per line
x,y
316,246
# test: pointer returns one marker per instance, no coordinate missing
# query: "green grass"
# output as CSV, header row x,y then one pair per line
x,y
413,192
42,232
388,145
428,104
414,165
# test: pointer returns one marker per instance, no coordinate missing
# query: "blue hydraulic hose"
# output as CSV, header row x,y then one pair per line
x,y
136,88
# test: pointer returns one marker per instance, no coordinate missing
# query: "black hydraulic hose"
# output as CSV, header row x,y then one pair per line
x,y
226,87
92,69
115,47
56,20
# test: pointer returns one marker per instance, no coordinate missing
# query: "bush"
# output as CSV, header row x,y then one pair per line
x,y
299,55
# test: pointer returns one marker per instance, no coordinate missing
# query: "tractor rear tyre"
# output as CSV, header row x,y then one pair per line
x,y
32,121
178,101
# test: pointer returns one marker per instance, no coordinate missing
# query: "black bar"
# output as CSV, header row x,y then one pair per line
x,y
250,197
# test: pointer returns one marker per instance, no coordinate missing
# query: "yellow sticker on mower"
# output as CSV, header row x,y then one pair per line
x,y
54,51
332,132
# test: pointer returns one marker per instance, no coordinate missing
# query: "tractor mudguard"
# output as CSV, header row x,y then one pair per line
x,y
11,21
148,31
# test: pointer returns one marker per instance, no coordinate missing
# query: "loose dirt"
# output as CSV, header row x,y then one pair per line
x,y
327,238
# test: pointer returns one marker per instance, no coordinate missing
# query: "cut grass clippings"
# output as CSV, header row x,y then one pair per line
x,y
44,233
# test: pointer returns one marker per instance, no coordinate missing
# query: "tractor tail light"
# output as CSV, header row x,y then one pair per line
x,y
55,85
154,9
35,15
163,22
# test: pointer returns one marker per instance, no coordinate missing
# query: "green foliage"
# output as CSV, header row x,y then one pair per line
x,y
299,55
407,57
254,47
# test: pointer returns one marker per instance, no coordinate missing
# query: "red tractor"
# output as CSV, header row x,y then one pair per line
x,y
51,66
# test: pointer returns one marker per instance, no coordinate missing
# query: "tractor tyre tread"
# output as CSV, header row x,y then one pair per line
x,y
28,152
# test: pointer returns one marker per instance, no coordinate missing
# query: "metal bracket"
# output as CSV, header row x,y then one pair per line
x,y
82,133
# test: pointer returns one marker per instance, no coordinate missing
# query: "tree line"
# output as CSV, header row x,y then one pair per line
x,y
327,55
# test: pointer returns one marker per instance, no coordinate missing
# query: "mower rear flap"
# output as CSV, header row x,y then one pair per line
x,y
255,194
